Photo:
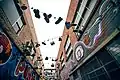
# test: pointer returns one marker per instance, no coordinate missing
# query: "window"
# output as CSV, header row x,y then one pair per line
x,y
20,12
18,25
18,21
67,43
102,66
79,13
82,14
68,48
114,48
14,14
75,75
62,63
69,53
61,56
62,59
76,16
86,13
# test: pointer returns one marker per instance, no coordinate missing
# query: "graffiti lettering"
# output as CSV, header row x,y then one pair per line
x,y
20,68
25,69
28,73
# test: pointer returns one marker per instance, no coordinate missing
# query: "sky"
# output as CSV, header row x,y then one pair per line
x,y
49,32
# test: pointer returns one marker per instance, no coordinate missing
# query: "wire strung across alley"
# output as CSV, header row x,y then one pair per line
x,y
59,19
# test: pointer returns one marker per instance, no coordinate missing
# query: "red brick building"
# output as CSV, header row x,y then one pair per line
x,y
61,70
90,50
19,25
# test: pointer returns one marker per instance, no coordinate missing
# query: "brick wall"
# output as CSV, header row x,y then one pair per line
x,y
66,32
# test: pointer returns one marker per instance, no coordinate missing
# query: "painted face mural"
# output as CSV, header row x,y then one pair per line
x,y
13,65
5,48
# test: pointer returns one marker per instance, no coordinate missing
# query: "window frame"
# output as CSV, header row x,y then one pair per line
x,y
18,25
67,43
86,9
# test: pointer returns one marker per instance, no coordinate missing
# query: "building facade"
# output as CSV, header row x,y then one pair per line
x,y
63,63
16,21
13,65
95,53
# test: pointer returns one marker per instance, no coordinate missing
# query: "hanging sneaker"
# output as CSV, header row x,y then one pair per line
x,y
36,11
59,20
46,17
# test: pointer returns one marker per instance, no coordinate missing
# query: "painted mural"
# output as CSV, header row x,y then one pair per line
x,y
104,23
13,66
5,48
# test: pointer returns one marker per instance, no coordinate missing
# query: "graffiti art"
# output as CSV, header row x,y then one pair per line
x,y
13,65
94,32
78,50
24,69
102,25
5,48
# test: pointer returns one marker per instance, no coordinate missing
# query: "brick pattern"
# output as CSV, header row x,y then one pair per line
x,y
66,32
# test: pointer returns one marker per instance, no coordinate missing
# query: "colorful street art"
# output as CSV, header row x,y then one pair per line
x,y
78,51
5,48
104,22
25,70
94,32
13,66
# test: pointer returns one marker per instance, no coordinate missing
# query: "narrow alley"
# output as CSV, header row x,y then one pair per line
x,y
59,40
